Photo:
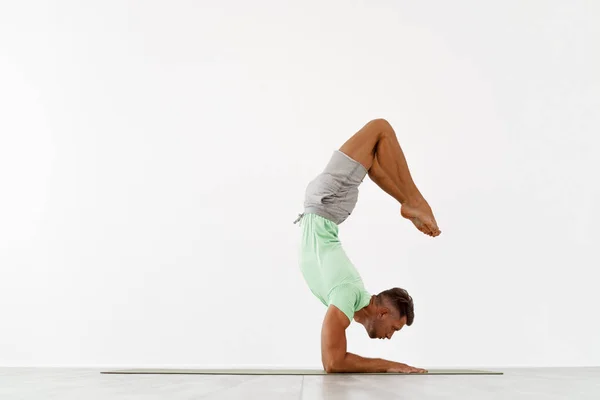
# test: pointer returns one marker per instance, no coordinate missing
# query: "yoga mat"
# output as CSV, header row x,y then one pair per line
x,y
287,372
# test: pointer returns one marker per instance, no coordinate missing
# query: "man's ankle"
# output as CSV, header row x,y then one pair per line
x,y
414,201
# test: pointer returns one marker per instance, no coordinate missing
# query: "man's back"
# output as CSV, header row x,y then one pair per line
x,y
328,272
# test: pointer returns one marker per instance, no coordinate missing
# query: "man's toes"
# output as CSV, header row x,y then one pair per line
x,y
427,227
430,228
424,228
434,229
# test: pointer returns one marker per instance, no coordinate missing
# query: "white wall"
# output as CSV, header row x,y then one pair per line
x,y
154,154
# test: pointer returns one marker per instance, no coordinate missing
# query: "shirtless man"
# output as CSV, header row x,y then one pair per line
x,y
329,199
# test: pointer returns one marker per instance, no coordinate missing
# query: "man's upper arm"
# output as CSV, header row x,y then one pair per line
x,y
333,338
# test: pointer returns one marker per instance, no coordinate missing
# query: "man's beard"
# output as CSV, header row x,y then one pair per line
x,y
372,333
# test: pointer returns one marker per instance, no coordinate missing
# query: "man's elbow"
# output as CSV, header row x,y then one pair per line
x,y
329,368
333,365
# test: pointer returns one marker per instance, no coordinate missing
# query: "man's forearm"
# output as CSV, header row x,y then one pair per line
x,y
355,363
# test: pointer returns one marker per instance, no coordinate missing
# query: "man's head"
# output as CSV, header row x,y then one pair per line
x,y
393,308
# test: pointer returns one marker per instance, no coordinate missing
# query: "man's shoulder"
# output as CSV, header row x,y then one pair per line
x,y
349,297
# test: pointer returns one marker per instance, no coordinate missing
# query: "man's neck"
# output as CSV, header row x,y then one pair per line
x,y
363,315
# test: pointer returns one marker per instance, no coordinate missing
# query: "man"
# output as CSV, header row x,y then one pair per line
x,y
329,199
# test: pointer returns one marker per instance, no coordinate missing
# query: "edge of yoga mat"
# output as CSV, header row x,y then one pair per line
x,y
287,372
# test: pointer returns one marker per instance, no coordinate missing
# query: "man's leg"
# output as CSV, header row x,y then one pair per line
x,y
376,147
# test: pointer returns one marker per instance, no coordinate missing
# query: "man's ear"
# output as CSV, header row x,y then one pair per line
x,y
383,311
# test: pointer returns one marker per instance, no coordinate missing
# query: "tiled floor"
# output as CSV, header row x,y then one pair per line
x,y
88,384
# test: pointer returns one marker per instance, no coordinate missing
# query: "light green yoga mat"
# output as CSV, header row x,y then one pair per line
x,y
287,372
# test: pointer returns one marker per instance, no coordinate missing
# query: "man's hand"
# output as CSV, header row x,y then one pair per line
x,y
335,357
406,369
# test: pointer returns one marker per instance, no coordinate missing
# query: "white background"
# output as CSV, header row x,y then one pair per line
x,y
154,154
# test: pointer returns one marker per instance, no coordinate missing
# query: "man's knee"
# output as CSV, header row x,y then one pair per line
x,y
380,125
380,122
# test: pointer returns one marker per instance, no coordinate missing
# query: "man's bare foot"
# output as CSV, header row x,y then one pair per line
x,y
420,214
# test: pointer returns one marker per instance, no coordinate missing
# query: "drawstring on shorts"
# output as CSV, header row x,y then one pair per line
x,y
299,218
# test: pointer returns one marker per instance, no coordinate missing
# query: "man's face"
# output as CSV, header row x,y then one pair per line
x,y
385,324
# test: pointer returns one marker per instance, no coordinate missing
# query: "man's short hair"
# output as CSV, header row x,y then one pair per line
x,y
401,301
